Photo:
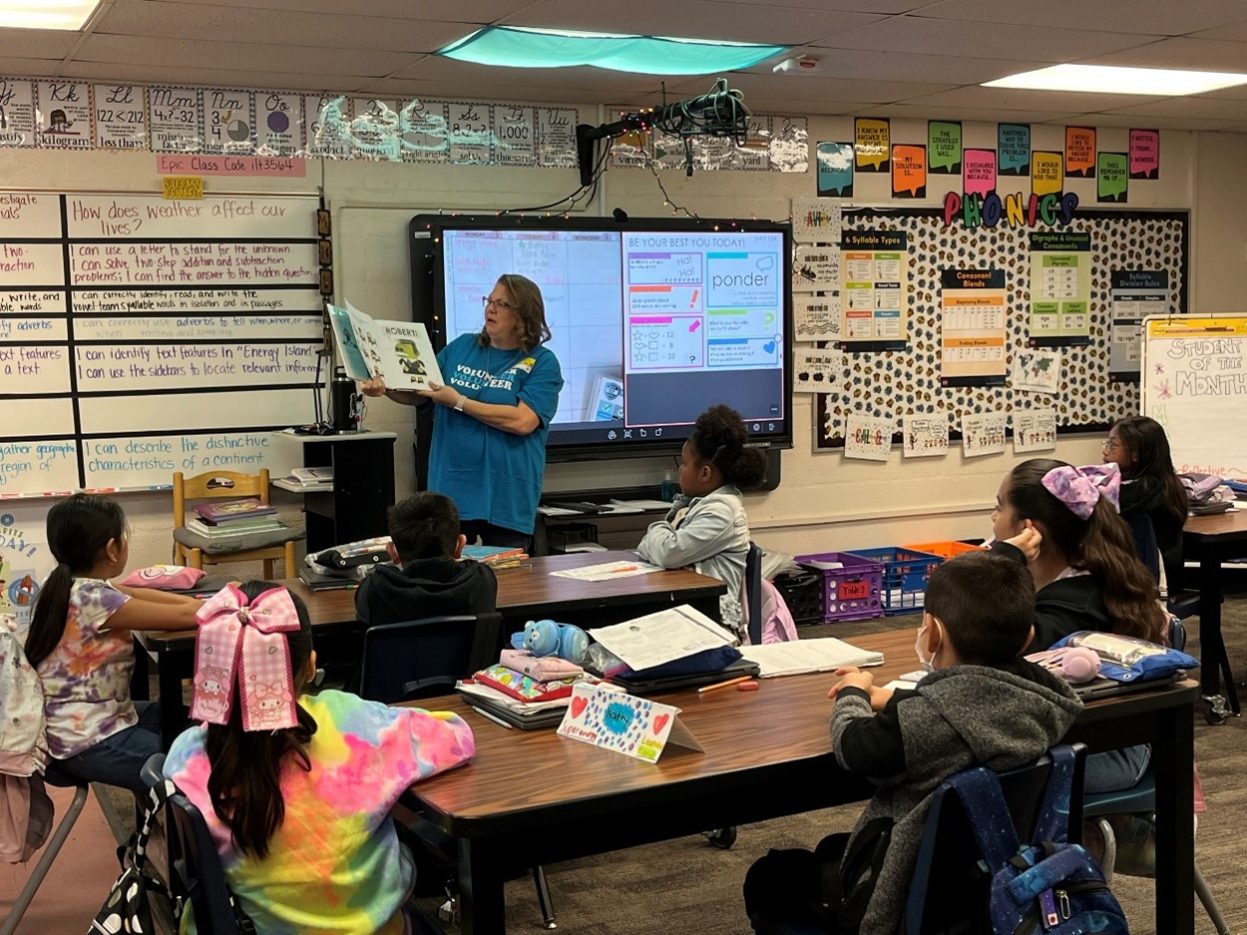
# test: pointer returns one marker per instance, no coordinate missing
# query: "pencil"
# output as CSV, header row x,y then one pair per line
x,y
717,685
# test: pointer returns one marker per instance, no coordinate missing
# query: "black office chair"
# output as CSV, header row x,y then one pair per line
x,y
751,606
422,658
948,892
194,873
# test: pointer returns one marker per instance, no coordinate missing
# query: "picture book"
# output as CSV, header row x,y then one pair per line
x,y
399,352
233,510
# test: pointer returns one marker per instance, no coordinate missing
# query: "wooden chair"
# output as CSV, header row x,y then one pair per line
x,y
194,550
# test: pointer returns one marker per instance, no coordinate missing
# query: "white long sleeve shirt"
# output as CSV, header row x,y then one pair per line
x,y
711,533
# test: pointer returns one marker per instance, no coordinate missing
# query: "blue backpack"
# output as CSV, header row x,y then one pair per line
x,y
1048,886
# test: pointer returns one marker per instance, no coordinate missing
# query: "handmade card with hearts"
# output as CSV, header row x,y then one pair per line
x,y
614,720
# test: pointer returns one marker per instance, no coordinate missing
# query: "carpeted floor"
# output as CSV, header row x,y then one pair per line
x,y
687,885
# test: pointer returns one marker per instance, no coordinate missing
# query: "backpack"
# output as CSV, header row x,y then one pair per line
x,y
1046,886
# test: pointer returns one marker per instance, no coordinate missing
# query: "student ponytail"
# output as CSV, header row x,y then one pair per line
x,y
1101,544
244,783
79,528
719,437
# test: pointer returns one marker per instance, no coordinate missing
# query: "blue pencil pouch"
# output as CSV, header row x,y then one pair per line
x,y
1129,659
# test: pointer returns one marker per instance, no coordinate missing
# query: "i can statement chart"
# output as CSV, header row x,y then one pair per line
x,y
140,336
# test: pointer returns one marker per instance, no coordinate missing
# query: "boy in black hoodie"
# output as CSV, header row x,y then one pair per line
x,y
981,705
426,579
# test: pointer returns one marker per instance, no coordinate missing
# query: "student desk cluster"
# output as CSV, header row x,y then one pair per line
x,y
767,754
525,593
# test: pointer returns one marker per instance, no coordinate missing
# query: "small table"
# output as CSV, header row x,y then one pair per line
x,y
774,739
524,593
1213,539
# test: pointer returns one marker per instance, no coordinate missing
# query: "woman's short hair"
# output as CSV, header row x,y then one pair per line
x,y
530,311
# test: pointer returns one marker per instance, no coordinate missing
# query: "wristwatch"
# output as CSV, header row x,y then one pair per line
x,y
459,403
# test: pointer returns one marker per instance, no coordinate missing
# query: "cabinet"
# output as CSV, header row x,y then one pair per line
x,y
354,506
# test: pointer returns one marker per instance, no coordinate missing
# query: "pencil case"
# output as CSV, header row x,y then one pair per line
x,y
523,687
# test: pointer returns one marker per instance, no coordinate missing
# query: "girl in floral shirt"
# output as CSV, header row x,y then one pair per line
x,y
80,644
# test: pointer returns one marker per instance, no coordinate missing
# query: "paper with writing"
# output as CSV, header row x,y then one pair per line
x,y
667,635
614,720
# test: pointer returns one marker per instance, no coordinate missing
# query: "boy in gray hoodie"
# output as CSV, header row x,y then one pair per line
x,y
981,705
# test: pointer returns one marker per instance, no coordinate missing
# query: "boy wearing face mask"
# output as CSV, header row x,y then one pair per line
x,y
981,705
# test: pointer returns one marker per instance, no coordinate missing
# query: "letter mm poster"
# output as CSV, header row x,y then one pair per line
x,y
973,327
874,269
1060,288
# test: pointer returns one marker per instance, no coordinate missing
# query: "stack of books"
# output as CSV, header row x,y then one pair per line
x,y
233,518
500,556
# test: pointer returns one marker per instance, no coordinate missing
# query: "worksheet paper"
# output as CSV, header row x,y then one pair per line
x,y
661,637
800,656
607,571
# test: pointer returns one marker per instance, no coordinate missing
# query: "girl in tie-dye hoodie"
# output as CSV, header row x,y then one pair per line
x,y
301,816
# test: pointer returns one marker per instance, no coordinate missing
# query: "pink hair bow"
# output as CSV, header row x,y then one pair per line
x,y
1079,488
245,642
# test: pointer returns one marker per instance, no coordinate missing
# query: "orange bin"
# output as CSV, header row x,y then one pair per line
x,y
945,549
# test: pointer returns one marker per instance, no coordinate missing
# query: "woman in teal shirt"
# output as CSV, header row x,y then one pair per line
x,y
489,434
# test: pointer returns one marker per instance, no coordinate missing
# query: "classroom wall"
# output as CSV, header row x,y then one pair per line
x,y
824,501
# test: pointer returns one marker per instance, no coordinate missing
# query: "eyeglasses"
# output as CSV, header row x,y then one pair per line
x,y
503,304
679,461
1110,444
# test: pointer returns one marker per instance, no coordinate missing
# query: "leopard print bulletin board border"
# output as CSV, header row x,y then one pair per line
x,y
895,383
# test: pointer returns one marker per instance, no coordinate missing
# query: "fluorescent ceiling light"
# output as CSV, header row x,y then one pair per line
x,y
520,47
1107,79
46,14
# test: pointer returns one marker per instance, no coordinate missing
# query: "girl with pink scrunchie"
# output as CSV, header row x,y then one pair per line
x,y
1063,522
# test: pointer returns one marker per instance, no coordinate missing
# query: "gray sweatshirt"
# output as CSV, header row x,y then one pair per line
x,y
958,717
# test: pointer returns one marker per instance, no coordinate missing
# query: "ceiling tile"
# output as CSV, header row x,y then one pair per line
x,y
919,111
887,7
1020,99
804,89
985,40
459,11
908,66
214,77
1153,17
1207,54
1230,32
175,54
228,24
36,43
30,67
1198,108
693,19
1150,123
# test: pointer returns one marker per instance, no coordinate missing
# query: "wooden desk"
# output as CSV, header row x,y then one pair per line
x,y
767,754
1213,539
524,594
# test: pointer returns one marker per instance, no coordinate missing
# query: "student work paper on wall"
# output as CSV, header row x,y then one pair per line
x,y
817,370
874,268
1060,287
983,433
1136,294
868,438
815,220
1034,429
973,327
815,268
925,435
816,317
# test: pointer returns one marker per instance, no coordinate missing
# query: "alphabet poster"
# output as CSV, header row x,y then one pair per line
x,y
925,435
868,438
1034,429
983,434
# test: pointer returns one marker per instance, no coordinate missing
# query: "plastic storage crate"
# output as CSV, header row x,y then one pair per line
x,y
905,574
945,549
803,594
853,591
